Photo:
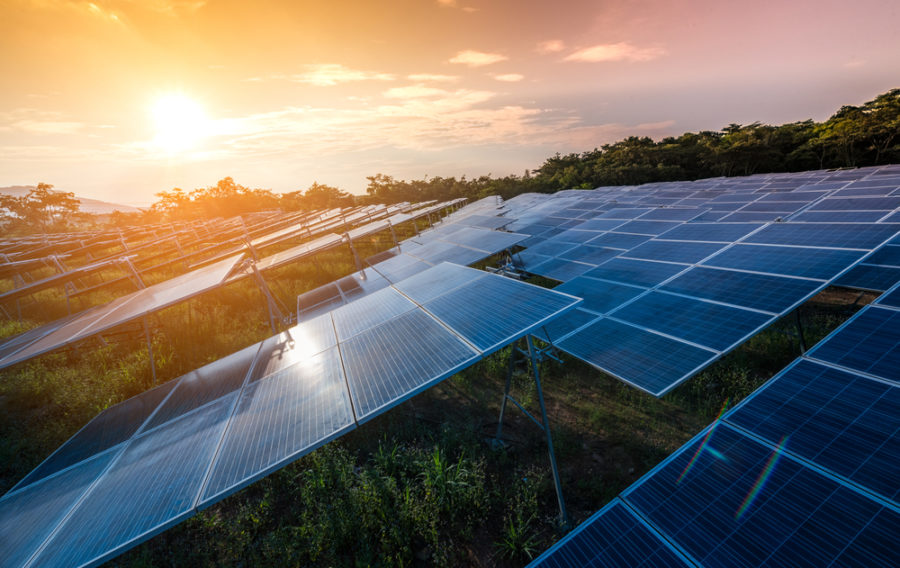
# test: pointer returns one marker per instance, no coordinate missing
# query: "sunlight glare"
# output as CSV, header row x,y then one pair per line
x,y
180,123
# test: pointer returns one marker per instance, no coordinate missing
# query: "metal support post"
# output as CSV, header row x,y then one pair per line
x,y
136,275
563,516
393,235
510,369
274,312
149,348
800,332
359,265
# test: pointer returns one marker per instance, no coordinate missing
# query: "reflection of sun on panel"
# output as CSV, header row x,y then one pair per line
x,y
180,123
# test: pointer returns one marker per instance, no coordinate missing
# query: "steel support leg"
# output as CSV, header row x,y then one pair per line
x,y
532,353
149,348
800,331
510,368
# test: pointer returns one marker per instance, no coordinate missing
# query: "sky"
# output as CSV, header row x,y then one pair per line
x,y
121,99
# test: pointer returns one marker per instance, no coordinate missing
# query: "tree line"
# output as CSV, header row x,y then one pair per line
x,y
854,136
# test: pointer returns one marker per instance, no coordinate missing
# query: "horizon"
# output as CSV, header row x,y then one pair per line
x,y
119,101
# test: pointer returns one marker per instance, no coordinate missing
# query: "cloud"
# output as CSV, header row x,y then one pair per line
x,y
413,92
477,58
509,77
330,74
621,51
432,77
551,46
34,121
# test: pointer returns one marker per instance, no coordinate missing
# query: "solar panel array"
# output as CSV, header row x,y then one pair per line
x,y
460,239
803,472
148,463
722,258
126,308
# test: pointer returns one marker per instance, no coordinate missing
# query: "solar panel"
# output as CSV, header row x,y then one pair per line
x,y
822,264
560,269
636,272
618,240
121,310
28,517
869,343
711,325
614,536
837,235
279,418
842,422
641,358
866,276
202,436
110,428
710,499
599,295
134,499
773,294
711,232
640,227
673,251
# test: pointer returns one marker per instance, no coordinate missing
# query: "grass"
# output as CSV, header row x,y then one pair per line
x,y
417,486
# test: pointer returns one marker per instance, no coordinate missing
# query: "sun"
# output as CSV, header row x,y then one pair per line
x,y
180,123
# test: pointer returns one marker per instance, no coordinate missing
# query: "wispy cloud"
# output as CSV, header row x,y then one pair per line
x,y
330,74
477,58
551,46
432,77
621,51
509,77
413,92
34,121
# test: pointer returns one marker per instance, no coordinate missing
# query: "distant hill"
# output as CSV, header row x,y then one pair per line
x,y
94,206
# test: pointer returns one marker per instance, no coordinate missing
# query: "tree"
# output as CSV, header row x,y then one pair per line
x,y
40,210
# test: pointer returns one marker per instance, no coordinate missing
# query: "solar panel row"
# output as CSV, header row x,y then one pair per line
x,y
153,460
803,472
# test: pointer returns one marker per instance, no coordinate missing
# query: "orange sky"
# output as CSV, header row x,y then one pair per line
x,y
287,93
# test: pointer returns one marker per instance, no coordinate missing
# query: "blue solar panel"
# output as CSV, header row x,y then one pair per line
x,y
838,216
870,277
779,207
560,269
590,254
891,298
640,227
673,251
27,517
601,224
774,294
857,204
614,536
841,421
672,214
748,217
111,427
823,264
523,306
869,343
838,235
728,500
430,284
887,255
132,501
711,325
281,418
576,236
618,240
371,310
599,296
645,273
711,232
558,328
641,358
